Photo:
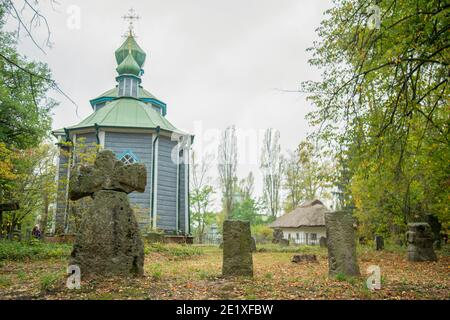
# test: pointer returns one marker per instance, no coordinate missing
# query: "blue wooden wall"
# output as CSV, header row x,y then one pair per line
x,y
140,145
167,183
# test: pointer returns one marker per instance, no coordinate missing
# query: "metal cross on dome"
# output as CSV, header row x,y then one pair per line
x,y
131,17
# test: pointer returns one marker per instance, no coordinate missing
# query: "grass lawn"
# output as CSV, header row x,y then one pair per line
x,y
193,272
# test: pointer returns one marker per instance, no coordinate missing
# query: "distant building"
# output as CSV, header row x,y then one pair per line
x,y
303,225
131,122
213,235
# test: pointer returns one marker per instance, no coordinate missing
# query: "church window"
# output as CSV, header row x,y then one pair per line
x,y
128,157
128,87
121,87
134,88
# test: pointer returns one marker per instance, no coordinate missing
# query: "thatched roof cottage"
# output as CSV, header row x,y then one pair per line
x,y
305,224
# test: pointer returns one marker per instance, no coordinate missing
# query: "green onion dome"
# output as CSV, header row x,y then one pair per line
x,y
130,46
129,66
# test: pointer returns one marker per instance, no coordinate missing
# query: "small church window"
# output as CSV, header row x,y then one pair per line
x,y
127,87
121,87
128,157
134,85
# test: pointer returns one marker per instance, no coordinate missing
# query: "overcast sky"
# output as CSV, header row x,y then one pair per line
x,y
215,63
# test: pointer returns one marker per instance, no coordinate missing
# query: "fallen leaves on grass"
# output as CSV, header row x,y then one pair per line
x,y
198,276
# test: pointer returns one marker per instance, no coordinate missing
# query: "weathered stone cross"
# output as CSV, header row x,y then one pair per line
x,y
107,173
108,242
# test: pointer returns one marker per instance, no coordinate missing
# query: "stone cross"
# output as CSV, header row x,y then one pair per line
x,y
107,173
108,242
341,243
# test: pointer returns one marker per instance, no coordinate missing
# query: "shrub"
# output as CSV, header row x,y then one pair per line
x,y
262,233
156,272
48,281
341,277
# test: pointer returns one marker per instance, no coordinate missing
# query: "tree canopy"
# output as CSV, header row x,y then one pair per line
x,y
26,165
382,107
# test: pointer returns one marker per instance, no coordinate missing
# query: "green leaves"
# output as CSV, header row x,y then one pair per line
x,y
382,106
25,121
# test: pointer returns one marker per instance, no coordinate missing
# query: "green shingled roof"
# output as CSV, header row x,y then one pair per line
x,y
126,113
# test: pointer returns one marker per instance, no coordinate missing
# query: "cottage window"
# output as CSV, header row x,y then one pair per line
x,y
313,236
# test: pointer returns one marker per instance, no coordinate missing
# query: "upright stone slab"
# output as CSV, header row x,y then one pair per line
x,y
323,242
109,241
277,236
237,248
379,243
253,244
420,242
341,244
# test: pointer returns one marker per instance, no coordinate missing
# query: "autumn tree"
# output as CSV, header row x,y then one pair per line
x,y
200,195
272,170
292,182
246,207
25,121
227,166
382,106
81,153
307,176
33,188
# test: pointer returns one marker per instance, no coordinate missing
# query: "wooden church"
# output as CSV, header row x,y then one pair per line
x,y
132,123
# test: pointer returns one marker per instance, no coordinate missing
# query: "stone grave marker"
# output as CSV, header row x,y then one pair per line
x,y
277,236
341,244
379,243
109,242
323,242
237,248
420,242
